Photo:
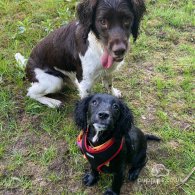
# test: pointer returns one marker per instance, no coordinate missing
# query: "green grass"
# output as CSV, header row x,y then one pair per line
x,y
38,154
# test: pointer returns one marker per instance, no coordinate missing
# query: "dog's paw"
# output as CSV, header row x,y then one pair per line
x,y
109,192
89,179
52,103
116,92
133,174
83,94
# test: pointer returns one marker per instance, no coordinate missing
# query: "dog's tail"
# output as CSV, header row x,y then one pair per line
x,y
21,61
152,137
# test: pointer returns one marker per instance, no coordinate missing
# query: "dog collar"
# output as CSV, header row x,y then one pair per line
x,y
100,156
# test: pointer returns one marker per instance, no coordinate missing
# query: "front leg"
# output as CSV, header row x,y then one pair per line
x,y
117,182
91,178
107,82
84,87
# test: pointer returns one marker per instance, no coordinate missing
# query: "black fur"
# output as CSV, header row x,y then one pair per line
x,y
138,9
117,118
80,113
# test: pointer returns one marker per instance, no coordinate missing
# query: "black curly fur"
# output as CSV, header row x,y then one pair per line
x,y
123,124
80,113
134,149
138,10
125,121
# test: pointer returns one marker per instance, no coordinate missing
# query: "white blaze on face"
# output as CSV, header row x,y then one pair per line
x,y
98,129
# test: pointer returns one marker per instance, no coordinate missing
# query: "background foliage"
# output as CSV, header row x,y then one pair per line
x,y
38,154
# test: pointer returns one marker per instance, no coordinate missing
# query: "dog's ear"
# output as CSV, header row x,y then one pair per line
x,y
85,13
139,8
126,119
80,113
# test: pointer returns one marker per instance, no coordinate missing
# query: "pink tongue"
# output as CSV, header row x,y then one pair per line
x,y
107,60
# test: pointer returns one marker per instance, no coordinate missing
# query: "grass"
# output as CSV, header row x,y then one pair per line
x,y
38,154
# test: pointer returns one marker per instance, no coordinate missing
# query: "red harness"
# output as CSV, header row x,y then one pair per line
x,y
100,156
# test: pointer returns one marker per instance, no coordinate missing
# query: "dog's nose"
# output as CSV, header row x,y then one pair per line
x,y
103,115
119,49
119,52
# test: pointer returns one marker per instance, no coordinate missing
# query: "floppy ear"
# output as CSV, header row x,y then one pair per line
x,y
85,13
138,10
126,120
80,113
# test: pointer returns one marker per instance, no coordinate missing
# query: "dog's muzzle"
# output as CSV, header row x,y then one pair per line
x,y
99,129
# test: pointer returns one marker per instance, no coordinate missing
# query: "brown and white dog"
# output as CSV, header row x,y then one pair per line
x,y
85,49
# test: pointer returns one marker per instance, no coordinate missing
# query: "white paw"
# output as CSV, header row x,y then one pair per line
x,y
83,95
55,103
116,92
21,61
83,91
52,103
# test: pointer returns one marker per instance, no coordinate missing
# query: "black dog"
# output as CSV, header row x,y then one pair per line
x,y
110,140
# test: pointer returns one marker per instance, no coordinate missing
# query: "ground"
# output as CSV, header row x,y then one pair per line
x,y
38,154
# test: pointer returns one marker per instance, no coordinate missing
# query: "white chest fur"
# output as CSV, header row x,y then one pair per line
x,y
91,61
91,67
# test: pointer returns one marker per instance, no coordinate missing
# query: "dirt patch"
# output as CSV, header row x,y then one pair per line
x,y
174,144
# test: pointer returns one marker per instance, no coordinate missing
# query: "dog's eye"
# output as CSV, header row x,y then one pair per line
x,y
103,22
126,22
115,106
94,102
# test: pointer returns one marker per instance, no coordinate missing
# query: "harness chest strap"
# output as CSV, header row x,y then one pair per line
x,y
100,156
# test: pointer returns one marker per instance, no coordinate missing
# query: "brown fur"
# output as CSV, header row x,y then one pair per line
x,y
61,47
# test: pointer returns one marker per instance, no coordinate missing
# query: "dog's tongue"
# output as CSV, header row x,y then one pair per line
x,y
107,60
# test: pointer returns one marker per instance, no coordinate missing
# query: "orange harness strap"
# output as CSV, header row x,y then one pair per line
x,y
100,156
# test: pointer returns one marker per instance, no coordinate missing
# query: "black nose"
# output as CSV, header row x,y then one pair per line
x,y
119,52
119,49
103,115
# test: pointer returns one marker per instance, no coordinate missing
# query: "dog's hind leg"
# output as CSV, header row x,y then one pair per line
x,y
46,84
137,165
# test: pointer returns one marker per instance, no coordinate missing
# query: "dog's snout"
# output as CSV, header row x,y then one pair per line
x,y
119,49
103,115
